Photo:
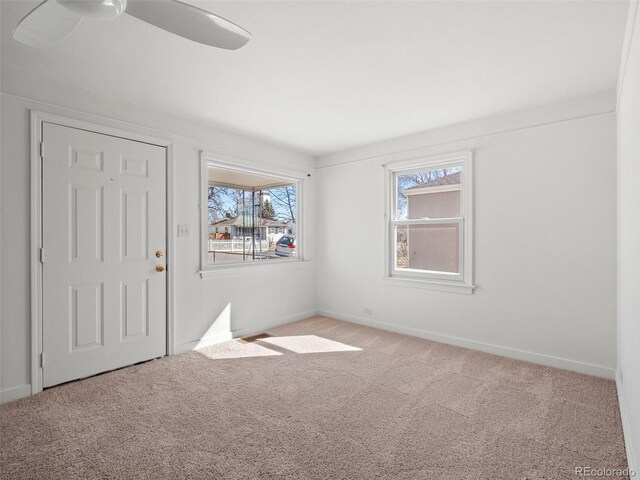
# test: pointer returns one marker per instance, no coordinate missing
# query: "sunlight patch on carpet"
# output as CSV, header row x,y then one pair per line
x,y
308,344
265,345
234,349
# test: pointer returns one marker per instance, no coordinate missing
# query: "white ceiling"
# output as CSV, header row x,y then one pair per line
x,y
324,76
232,178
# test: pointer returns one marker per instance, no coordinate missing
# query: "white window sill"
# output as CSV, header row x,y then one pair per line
x,y
430,284
214,271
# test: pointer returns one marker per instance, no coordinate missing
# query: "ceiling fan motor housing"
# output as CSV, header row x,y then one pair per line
x,y
97,9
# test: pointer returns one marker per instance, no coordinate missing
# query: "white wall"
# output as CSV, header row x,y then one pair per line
x,y
198,302
629,237
545,234
545,238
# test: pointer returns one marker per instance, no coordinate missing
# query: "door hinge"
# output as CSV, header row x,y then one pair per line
x,y
42,255
41,149
42,359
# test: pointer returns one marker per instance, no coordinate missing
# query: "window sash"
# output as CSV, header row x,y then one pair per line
x,y
420,273
395,223
423,168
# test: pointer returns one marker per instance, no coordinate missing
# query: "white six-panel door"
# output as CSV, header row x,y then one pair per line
x,y
104,221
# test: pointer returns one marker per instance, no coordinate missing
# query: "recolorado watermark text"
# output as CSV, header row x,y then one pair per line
x,y
605,472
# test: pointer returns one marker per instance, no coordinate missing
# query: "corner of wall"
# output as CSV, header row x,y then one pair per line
x,y
632,461
626,48
628,119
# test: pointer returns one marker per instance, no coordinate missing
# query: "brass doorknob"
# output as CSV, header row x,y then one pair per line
x,y
159,254
160,268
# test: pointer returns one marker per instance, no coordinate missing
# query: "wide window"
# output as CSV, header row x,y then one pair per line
x,y
430,226
250,216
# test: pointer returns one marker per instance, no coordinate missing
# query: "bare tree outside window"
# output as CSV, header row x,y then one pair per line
x,y
224,202
283,200
416,179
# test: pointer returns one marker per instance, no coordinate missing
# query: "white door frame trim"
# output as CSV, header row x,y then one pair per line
x,y
105,127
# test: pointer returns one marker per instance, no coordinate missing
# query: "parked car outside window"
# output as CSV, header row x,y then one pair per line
x,y
286,246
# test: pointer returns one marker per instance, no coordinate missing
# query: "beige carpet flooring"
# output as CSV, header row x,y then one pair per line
x,y
318,399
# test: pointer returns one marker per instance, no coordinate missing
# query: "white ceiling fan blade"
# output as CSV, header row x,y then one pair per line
x,y
189,22
47,24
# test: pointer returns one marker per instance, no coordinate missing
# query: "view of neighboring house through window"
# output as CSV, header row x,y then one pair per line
x,y
250,217
428,221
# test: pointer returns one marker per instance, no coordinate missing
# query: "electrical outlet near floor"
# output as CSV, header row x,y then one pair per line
x,y
367,310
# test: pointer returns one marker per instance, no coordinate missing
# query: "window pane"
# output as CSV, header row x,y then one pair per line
x,y
246,224
428,247
428,194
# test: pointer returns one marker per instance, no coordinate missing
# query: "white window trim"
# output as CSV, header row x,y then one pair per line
x,y
209,159
462,283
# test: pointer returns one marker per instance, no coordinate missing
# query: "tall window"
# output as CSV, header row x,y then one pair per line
x,y
250,217
430,226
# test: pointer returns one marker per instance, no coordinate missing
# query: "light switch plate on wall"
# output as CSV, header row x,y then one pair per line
x,y
184,230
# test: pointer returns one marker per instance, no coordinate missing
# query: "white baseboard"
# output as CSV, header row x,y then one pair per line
x,y
203,342
15,393
626,428
242,332
540,358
